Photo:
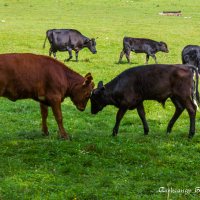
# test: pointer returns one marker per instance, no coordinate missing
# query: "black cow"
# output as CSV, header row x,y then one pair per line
x,y
68,40
191,55
142,45
149,82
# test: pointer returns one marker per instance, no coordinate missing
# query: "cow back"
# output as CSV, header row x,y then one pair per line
x,y
31,76
152,82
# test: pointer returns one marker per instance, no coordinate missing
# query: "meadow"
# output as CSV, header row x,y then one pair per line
x,y
94,165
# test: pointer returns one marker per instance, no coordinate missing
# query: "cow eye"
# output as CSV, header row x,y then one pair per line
x,y
87,95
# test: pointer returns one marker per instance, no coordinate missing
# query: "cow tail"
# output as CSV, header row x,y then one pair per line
x,y
45,42
196,85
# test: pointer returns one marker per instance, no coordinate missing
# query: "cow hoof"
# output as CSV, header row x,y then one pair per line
x,y
168,130
66,137
190,136
46,133
114,134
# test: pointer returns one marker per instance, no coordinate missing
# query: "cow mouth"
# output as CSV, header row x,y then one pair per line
x,y
94,52
81,108
94,112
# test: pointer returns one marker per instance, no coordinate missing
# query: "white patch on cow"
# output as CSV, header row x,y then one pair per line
x,y
195,102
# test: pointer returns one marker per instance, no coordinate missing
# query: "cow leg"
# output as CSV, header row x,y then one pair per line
x,y
70,55
154,57
77,56
50,51
119,116
178,110
141,113
191,109
198,66
54,52
56,108
121,56
127,52
147,59
54,55
44,113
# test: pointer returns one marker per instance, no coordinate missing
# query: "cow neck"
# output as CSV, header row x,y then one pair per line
x,y
108,94
74,79
85,44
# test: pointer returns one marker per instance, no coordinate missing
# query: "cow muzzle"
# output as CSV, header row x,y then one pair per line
x,y
80,108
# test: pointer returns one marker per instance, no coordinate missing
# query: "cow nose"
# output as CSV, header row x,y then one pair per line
x,y
81,108
94,52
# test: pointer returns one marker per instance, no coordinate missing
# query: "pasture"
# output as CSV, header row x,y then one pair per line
x,y
94,165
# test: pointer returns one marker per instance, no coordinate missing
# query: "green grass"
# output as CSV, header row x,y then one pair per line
x,y
95,165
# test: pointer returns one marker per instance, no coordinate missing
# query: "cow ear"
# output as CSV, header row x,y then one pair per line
x,y
88,79
161,43
87,40
93,39
100,85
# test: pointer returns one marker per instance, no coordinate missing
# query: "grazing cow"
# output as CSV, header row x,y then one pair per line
x,y
151,82
142,45
191,55
45,80
68,40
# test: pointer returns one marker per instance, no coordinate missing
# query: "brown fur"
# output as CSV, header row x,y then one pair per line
x,y
45,80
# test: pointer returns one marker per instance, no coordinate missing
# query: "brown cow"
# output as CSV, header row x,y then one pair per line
x,y
46,80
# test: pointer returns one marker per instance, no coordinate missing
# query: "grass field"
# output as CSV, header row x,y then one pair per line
x,y
95,165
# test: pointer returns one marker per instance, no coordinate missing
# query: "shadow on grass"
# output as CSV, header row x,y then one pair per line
x,y
126,63
87,60
38,135
32,135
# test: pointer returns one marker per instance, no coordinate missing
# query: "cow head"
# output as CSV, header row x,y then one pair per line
x,y
163,47
91,45
81,93
97,98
